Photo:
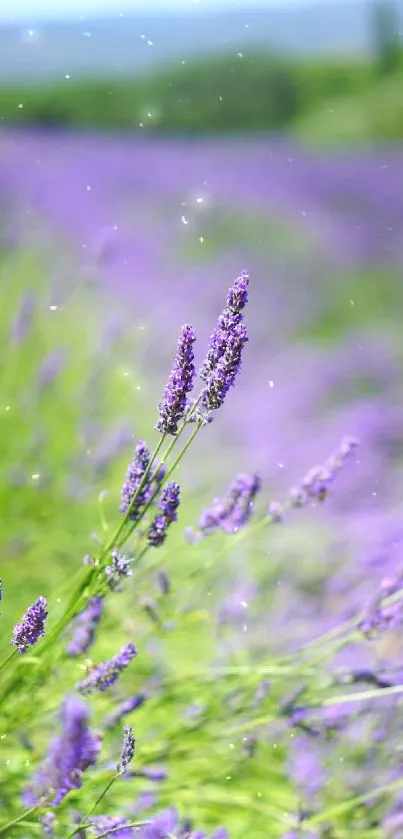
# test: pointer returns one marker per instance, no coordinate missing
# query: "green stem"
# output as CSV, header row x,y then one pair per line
x,y
94,807
9,657
119,827
362,696
17,820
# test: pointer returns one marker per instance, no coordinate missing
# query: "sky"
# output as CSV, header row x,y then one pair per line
x,y
30,11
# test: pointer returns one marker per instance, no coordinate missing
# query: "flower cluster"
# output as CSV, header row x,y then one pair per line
x,y
174,403
107,673
32,626
168,504
231,512
224,356
85,627
128,748
118,570
69,756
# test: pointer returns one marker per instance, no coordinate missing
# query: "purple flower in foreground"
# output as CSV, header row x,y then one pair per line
x,y
86,624
232,512
32,626
162,825
69,756
174,403
224,373
237,298
107,673
223,359
102,824
128,748
125,708
134,477
168,504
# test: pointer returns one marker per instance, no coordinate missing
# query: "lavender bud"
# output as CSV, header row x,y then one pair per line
x,y
233,511
230,316
86,624
223,375
107,673
168,504
32,625
128,748
119,569
134,477
174,403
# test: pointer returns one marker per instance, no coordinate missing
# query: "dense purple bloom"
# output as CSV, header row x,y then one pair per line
x,y
225,371
168,504
237,298
32,626
118,570
106,674
223,359
69,756
134,477
233,511
102,824
128,747
126,707
174,403
86,624
162,825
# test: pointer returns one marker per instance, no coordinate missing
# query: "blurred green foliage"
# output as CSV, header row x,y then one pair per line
x,y
339,98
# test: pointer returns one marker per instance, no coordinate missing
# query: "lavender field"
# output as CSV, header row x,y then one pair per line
x,y
269,652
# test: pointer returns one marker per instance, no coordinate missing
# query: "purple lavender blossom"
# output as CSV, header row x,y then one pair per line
x,y
220,833
163,581
118,570
151,773
233,511
107,673
174,403
126,707
223,375
162,825
316,483
102,824
134,478
168,504
32,626
86,624
128,747
69,756
237,299
48,824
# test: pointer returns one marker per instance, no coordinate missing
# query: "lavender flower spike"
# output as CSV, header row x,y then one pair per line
x,y
234,511
107,673
134,477
128,748
86,624
174,403
119,569
168,504
32,626
231,315
69,756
